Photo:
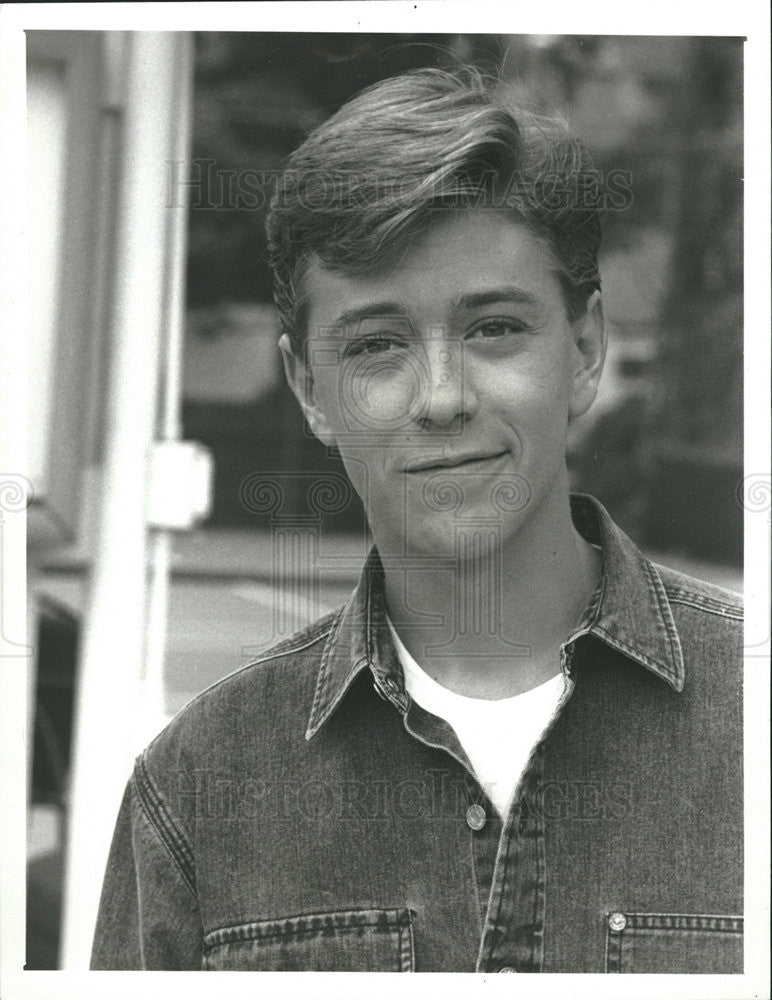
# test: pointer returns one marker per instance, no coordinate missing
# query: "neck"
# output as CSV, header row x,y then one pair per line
x,y
490,623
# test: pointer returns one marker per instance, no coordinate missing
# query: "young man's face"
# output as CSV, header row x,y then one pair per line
x,y
447,382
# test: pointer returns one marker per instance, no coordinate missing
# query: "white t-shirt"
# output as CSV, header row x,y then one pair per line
x,y
499,735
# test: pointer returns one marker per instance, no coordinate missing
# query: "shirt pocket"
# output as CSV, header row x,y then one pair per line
x,y
377,940
674,942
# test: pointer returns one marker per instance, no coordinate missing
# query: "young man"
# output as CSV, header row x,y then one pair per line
x,y
517,748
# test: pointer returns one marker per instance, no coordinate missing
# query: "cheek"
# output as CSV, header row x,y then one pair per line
x,y
539,393
370,398
380,395
534,402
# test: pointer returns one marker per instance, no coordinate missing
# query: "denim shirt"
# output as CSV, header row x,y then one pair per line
x,y
303,814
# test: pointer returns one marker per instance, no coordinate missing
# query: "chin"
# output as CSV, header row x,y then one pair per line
x,y
463,541
453,526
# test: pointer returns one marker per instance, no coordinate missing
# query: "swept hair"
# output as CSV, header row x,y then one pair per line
x,y
368,179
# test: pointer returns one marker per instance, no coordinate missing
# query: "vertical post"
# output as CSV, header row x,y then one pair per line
x,y
151,712
114,646
13,449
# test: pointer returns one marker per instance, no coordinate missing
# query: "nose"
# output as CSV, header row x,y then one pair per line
x,y
447,395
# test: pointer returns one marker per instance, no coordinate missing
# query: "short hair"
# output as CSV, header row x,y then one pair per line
x,y
367,180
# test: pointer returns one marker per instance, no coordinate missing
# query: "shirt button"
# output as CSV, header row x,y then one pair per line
x,y
617,921
390,685
475,817
507,968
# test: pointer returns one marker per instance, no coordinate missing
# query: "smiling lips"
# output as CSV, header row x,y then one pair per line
x,y
454,462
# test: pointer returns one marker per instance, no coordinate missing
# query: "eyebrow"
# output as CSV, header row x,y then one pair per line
x,y
371,310
489,297
469,301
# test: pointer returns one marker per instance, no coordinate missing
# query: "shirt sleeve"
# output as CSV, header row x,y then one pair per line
x,y
148,912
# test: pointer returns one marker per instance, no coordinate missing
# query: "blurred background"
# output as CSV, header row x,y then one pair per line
x,y
149,165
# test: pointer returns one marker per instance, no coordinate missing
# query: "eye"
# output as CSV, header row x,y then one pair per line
x,y
492,329
370,346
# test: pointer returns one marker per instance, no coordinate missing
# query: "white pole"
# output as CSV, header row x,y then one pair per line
x,y
113,649
152,714
14,654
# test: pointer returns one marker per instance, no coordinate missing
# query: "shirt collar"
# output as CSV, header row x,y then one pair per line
x,y
359,639
629,611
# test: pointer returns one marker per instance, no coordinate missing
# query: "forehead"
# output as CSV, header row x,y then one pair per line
x,y
459,254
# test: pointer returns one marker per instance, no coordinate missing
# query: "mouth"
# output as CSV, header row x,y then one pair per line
x,y
471,462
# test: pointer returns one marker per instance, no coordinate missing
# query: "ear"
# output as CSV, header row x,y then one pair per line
x,y
588,356
302,384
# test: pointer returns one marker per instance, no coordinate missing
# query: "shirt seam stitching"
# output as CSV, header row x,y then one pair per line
x,y
305,931
288,652
323,682
633,914
537,940
395,919
508,857
170,836
256,662
480,900
660,595
718,611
